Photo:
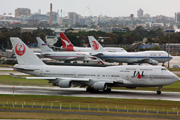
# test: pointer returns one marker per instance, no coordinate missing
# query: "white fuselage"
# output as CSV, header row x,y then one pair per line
x,y
135,57
135,76
88,49
68,56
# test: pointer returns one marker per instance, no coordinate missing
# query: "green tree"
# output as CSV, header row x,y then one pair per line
x,y
156,47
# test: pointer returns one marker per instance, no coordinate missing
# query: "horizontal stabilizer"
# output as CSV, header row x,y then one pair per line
x,y
15,76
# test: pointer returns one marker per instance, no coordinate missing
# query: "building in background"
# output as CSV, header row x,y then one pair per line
x,y
177,18
73,18
22,12
140,13
55,17
36,18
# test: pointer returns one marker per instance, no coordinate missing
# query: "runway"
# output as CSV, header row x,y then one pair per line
x,y
81,92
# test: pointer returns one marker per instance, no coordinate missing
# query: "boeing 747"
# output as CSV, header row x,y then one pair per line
x,y
94,78
64,56
151,57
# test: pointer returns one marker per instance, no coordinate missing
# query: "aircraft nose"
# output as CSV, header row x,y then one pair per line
x,y
170,57
176,78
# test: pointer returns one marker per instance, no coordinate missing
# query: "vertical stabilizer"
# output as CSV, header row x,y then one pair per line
x,y
95,45
43,46
66,43
24,55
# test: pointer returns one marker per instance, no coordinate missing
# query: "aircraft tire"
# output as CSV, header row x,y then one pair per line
x,y
108,90
158,92
89,89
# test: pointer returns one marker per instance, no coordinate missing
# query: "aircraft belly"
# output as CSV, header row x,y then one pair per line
x,y
142,81
62,58
123,60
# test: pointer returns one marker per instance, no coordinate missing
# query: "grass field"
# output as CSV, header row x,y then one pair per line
x,y
102,103
9,80
92,102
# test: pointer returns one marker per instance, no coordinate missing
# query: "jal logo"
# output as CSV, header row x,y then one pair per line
x,y
95,45
138,74
20,49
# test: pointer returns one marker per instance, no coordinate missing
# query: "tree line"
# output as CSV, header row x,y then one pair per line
x,y
80,38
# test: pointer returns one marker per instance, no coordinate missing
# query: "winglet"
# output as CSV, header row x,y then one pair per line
x,y
66,43
95,45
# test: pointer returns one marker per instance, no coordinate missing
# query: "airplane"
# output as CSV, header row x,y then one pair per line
x,y
65,56
68,46
151,57
94,78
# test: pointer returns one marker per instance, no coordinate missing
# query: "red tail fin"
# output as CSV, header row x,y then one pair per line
x,y
66,44
95,45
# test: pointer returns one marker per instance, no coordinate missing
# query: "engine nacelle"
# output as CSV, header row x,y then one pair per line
x,y
153,62
100,86
65,83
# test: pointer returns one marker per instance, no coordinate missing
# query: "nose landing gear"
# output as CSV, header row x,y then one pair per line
x,y
159,90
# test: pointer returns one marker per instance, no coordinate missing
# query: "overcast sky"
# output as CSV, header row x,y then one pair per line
x,y
112,8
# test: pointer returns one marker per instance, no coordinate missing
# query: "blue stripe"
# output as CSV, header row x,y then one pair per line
x,y
131,57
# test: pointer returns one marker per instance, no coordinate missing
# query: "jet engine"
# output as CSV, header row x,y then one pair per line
x,y
152,62
65,83
100,86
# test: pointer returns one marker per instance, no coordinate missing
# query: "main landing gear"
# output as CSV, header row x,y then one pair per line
x,y
90,89
159,90
163,64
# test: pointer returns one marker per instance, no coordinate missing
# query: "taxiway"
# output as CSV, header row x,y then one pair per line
x,y
81,92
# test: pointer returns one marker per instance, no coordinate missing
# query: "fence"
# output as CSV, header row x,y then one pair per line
x,y
88,107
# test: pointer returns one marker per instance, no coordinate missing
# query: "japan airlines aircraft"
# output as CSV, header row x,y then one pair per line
x,y
64,56
151,57
94,78
68,46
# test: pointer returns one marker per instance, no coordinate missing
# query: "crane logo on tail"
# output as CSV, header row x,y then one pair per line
x,y
95,45
20,49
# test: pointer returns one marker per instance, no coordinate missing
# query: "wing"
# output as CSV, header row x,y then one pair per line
x,y
66,82
150,61
119,81
87,58
96,54
60,78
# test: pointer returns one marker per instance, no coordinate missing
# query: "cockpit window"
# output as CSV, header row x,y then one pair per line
x,y
163,68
